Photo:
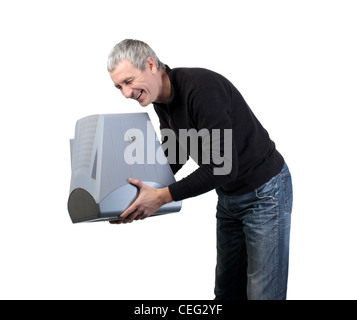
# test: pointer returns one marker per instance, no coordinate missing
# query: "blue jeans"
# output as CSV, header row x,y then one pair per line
x,y
253,232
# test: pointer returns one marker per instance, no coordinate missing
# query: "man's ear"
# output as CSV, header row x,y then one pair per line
x,y
152,65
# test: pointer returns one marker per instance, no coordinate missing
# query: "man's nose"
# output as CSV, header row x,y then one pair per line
x,y
127,92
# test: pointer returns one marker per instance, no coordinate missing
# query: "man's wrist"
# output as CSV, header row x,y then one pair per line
x,y
165,195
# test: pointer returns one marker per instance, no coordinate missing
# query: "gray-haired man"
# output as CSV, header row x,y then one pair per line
x,y
254,196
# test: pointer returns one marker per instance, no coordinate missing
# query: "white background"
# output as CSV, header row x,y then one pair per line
x,y
293,61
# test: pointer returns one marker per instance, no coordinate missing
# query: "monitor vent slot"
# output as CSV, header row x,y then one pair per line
x,y
86,134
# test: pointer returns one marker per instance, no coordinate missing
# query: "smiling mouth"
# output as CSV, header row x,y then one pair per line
x,y
139,95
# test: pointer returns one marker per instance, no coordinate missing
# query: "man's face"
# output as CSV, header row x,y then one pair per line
x,y
133,83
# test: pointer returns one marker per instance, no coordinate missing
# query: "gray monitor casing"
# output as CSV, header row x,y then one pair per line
x,y
106,151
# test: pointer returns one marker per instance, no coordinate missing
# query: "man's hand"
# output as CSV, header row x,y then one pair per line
x,y
148,202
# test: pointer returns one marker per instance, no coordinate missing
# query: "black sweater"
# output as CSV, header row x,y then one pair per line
x,y
202,99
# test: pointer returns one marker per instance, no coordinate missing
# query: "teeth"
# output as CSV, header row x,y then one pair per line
x,y
141,91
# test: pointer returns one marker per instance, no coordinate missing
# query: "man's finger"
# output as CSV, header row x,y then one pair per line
x,y
136,183
130,218
140,216
116,222
128,211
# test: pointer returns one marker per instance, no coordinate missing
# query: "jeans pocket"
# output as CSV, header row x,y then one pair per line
x,y
267,191
287,190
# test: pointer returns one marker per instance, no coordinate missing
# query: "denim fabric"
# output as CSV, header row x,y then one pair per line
x,y
253,232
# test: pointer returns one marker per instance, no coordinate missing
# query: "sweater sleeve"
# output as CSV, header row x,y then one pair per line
x,y
210,108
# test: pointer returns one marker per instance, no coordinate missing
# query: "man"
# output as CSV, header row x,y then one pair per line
x,y
254,194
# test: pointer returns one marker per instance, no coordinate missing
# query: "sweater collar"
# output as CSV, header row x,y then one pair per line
x,y
172,89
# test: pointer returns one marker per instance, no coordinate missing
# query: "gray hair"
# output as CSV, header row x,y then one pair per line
x,y
135,51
